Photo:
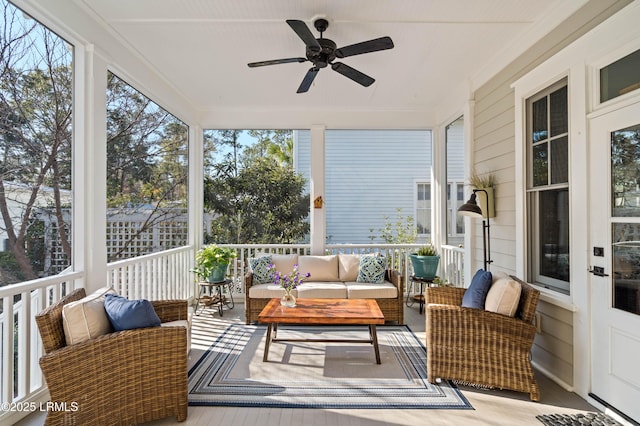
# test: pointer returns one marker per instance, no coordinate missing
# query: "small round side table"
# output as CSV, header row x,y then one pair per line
x,y
420,296
217,299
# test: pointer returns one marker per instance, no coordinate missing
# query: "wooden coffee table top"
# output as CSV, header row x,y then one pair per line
x,y
323,311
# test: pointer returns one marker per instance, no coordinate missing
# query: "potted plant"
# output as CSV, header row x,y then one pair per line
x,y
425,262
212,262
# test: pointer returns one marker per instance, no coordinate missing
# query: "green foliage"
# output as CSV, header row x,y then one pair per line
x,y
400,231
441,282
210,257
427,250
264,203
9,268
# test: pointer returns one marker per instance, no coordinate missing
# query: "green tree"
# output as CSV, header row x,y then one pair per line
x,y
264,203
35,131
276,144
147,163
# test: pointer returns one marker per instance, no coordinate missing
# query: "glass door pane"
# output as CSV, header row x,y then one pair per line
x,y
626,267
625,207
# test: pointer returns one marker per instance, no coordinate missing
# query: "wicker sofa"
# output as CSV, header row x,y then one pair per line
x,y
476,346
125,377
332,276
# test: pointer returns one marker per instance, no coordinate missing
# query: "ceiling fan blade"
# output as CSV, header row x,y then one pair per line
x,y
304,33
308,79
275,62
353,74
382,43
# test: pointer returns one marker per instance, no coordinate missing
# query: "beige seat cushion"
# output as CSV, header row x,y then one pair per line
x,y
86,318
348,265
386,290
267,291
503,296
284,262
322,290
321,268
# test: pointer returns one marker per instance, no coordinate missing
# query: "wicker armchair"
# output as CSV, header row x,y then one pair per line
x,y
125,377
479,347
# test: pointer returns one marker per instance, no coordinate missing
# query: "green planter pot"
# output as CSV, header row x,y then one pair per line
x,y
218,273
425,267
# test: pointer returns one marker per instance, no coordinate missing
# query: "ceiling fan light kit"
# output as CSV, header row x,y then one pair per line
x,y
322,52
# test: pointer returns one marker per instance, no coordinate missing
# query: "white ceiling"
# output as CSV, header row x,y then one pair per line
x,y
202,47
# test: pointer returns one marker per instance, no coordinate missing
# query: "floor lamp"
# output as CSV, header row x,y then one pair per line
x,y
472,209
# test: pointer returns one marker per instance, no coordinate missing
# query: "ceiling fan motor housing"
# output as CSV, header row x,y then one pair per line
x,y
322,52
327,54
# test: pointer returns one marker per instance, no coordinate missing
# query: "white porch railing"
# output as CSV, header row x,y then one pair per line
x,y
450,267
156,276
21,381
452,264
163,275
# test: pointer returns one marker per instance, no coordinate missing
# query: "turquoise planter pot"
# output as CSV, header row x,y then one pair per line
x,y
218,273
425,267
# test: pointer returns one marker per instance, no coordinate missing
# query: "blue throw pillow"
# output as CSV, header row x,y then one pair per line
x,y
125,314
476,294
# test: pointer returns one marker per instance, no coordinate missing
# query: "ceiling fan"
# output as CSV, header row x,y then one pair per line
x,y
322,52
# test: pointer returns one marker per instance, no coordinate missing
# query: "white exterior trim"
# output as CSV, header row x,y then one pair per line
x,y
316,187
577,62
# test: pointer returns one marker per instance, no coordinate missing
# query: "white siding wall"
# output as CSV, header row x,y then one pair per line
x,y
369,175
494,151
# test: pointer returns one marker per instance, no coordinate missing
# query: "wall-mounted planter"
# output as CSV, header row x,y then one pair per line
x,y
482,201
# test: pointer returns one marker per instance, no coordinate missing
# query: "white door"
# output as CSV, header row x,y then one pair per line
x,y
615,258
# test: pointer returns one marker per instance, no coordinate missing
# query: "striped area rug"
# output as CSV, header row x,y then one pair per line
x,y
318,375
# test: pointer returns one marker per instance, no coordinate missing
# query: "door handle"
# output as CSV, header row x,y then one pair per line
x,y
598,271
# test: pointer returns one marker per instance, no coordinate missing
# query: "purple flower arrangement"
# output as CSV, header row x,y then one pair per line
x,y
291,281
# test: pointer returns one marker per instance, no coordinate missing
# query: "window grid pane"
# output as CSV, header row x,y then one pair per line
x,y
559,160
547,203
559,119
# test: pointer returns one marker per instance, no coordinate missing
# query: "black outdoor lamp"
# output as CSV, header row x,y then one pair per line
x,y
472,209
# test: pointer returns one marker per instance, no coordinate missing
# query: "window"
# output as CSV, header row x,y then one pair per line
x,y
36,86
454,138
455,222
146,174
548,187
620,77
370,183
423,208
252,189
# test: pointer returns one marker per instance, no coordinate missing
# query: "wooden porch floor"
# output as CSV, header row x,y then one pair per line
x,y
490,407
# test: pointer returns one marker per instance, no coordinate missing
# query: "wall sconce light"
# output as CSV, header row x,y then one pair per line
x,y
317,203
472,209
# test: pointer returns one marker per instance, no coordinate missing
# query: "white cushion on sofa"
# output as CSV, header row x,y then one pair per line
x,y
321,268
322,290
267,291
386,290
86,318
284,262
348,265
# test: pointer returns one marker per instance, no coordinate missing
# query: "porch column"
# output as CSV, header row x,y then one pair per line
x,y
317,205
94,177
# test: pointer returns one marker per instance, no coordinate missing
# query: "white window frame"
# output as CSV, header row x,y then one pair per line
x,y
533,193
417,182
